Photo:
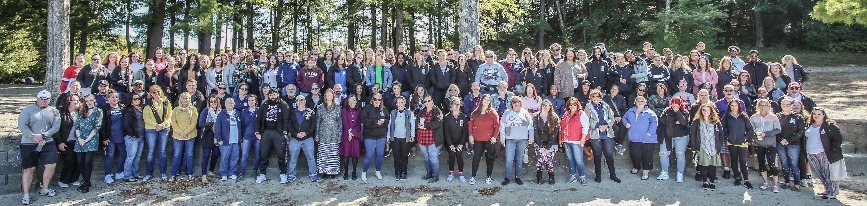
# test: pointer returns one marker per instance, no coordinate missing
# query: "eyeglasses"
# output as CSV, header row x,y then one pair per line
x,y
74,100
213,101
428,100
94,59
573,104
642,90
424,50
516,101
222,88
134,98
245,89
46,98
728,90
795,88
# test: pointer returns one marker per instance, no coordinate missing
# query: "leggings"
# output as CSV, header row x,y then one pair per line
x,y
738,157
545,161
767,155
85,163
483,148
344,162
455,157
708,173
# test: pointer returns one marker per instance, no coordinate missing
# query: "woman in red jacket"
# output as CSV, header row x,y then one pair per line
x,y
573,135
484,127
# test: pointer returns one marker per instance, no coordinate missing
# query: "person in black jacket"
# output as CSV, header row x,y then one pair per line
x,y
133,129
794,93
400,72
302,126
707,139
794,70
757,68
356,72
419,72
674,121
739,133
826,157
618,105
168,80
547,136
272,132
462,76
789,144
70,172
535,76
374,119
121,77
456,136
597,69
111,135
439,78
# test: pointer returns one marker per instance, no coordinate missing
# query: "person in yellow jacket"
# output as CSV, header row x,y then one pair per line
x,y
184,120
157,119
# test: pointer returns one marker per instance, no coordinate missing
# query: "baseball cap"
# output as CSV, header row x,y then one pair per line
x,y
43,95
105,82
300,97
794,85
138,82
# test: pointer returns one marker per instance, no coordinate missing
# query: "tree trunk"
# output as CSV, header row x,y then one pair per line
x,y
373,25
127,13
309,28
218,44
155,26
278,19
562,25
249,37
411,31
667,11
172,20
57,57
384,25
82,41
187,30
295,15
543,10
760,28
468,25
397,31
352,28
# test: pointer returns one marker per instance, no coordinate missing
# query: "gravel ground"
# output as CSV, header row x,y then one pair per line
x,y
845,101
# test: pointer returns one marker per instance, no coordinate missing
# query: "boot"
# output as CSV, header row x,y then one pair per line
x,y
539,177
550,178
428,175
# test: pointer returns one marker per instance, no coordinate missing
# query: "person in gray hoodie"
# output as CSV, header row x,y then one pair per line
x,y
37,124
767,126
516,131
401,131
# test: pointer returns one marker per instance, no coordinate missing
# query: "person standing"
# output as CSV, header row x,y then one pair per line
x,y
767,126
456,134
37,123
547,136
134,131
674,120
641,123
302,127
251,143
272,132
111,135
87,139
328,129
64,139
825,153
738,132
516,131
374,130
601,125
401,131
483,128
228,133
91,74
569,74
792,126
350,140
184,119
574,129
71,72
430,137
707,139
490,74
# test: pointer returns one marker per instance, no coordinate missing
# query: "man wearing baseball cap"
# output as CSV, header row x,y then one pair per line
x,y
737,62
137,88
795,94
100,95
37,124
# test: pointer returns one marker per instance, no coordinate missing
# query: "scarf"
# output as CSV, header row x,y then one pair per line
x,y
707,139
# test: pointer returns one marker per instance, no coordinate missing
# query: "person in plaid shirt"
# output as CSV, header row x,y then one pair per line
x,y
430,138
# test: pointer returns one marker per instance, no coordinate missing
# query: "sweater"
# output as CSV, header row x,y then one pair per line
x,y
594,120
306,78
491,75
738,130
37,120
455,129
485,126
770,125
164,112
369,118
184,120
643,125
517,125
792,128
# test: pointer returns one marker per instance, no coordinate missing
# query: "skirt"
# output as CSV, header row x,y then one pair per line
x,y
350,148
328,160
708,160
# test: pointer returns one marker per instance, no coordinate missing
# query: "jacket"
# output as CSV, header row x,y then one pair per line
x,y
517,125
307,124
669,121
571,124
464,79
594,119
680,74
695,136
105,130
287,74
799,75
409,124
184,120
120,81
640,70
597,73
832,141
618,72
440,76
495,101
643,125
700,78
738,130
770,125
369,117
251,123
273,114
355,74
758,71
223,127
455,129
164,111
418,76
536,77
402,73
130,121
792,128
657,75
563,77
387,79
545,135
435,124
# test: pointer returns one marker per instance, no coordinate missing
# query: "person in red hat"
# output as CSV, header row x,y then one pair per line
x,y
794,93
674,120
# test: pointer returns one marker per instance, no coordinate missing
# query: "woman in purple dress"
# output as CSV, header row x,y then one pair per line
x,y
350,140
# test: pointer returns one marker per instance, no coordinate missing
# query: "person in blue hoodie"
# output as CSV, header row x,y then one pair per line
x,y
287,72
739,133
250,143
228,133
241,97
641,123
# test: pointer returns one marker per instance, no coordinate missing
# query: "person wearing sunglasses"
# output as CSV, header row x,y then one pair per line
x,y
91,74
490,74
430,137
824,152
794,93
157,118
37,123
556,56
374,117
601,128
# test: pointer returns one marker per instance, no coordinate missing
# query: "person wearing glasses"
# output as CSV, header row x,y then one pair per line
x,y
374,117
789,144
134,131
92,73
37,123
620,74
516,131
641,123
207,123
157,118
490,74
302,128
574,129
513,68
794,93
825,152
430,138
601,128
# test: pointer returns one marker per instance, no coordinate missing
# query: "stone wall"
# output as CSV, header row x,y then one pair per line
x,y
855,132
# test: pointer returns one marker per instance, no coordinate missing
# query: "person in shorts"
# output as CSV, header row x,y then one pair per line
x,y
37,124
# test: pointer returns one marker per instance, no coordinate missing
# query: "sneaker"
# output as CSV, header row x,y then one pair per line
x,y
224,178
434,179
450,178
147,178
76,183
472,180
518,181
712,187
387,153
583,181
283,179
119,176
165,177
572,179
748,185
260,178
62,185
234,177
469,151
378,175
620,149
314,179
204,179
505,182
727,174
463,179
663,175
363,176
680,177
489,180
108,179
776,189
737,182
706,186
189,177
764,186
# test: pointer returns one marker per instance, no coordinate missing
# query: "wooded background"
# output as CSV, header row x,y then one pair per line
x,y
291,25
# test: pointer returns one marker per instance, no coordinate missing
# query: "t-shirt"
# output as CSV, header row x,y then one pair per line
x,y
814,141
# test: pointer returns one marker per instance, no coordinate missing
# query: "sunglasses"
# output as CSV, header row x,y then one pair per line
x,y
516,102
426,101
213,101
728,90
245,89
423,50
134,98
380,99
222,88
45,98
642,90
795,88
74,100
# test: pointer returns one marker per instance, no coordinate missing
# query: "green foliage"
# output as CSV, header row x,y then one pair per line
x,y
688,22
841,11
17,54
836,37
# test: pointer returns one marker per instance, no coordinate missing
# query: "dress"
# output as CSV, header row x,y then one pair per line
x,y
707,135
86,126
351,124
329,128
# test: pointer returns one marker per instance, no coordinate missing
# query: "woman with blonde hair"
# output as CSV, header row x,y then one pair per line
x,y
707,139
794,70
157,119
781,78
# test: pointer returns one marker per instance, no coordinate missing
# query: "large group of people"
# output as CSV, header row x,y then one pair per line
x,y
342,105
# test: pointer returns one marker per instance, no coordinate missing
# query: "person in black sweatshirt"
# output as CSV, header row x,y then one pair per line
x,y
456,135
547,135
789,144
374,119
301,125
273,134
739,134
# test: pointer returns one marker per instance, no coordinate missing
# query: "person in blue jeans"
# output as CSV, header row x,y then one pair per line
x,y
112,136
674,119
574,128
157,118
430,137
134,132
207,123
184,120
251,141
228,134
792,130
516,131
602,123
302,127
374,119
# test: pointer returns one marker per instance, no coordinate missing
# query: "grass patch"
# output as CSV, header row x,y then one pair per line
x,y
806,58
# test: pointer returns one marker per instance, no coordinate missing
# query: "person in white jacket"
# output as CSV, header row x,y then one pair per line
x,y
516,131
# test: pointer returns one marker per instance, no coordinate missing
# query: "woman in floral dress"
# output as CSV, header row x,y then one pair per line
x,y
87,139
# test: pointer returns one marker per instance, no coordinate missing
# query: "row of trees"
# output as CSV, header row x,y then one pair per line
x,y
219,25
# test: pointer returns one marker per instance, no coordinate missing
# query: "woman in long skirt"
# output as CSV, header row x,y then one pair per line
x,y
328,135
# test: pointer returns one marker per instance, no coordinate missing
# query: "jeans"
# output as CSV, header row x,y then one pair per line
x,y
789,161
400,149
575,155
431,158
603,147
185,148
272,140
679,145
642,155
373,147
246,147
208,153
295,146
85,163
738,157
134,146
515,151
109,157
156,139
229,154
